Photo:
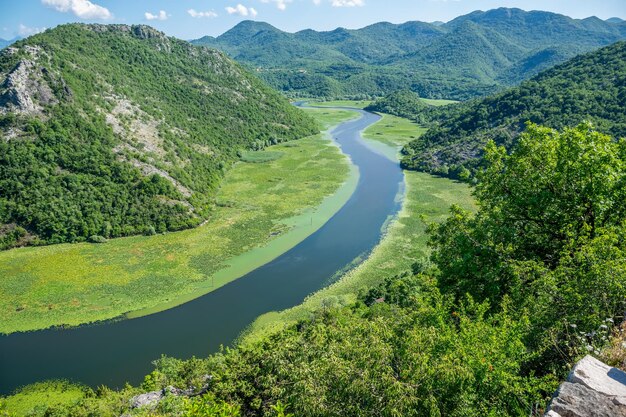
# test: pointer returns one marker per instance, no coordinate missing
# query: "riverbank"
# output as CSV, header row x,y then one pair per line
x,y
262,210
427,199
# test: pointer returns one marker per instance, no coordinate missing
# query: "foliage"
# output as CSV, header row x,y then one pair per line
x,y
470,56
36,399
549,234
590,87
85,168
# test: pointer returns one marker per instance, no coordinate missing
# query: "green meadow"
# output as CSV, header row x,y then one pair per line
x,y
268,202
391,133
33,397
437,102
357,104
427,200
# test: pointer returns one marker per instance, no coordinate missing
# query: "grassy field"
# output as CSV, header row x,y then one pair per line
x,y
358,104
41,394
264,207
437,102
391,133
427,200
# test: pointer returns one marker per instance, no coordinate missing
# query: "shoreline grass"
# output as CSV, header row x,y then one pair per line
x,y
262,210
390,134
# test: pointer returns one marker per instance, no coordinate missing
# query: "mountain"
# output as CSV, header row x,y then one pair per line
x,y
472,55
616,20
118,130
590,87
4,43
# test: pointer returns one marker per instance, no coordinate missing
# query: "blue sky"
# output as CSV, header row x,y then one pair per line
x,y
190,19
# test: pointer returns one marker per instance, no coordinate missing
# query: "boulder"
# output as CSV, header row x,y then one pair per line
x,y
599,377
576,400
592,389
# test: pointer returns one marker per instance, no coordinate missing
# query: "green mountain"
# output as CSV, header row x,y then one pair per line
x,y
472,55
118,130
590,87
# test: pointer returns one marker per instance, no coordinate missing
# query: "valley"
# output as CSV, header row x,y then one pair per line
x,y
228,310
350,217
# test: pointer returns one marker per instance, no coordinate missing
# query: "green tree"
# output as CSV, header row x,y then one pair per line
x,y
549,233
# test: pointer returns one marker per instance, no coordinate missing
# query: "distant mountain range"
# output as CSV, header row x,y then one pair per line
x,y
472,55
4,43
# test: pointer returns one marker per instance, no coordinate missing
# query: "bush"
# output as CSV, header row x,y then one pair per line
x,y
97,239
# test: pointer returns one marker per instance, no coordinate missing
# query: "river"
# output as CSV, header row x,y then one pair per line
x,y
113,353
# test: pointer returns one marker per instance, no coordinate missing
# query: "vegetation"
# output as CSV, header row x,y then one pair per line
x,y
472,55
130,132
590,87
259,204
36,398
548,238
402,103
513,295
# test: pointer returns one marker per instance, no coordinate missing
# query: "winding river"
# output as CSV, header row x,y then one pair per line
x,y
116,352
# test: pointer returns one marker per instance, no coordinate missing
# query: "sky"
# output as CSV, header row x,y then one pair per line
x,y
191,19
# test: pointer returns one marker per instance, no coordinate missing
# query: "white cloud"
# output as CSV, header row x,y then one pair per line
x,y
280,4
25,31
194,13
347,3
83,9
160,16
242,10
317,2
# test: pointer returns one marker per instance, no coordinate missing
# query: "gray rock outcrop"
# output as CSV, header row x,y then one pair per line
x,y
592,389
152,398
28,87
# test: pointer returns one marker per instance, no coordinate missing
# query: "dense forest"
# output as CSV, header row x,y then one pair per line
x,y
590,87
118,130
472,55
487,326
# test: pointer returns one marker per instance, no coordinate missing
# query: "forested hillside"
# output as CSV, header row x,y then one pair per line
x,y
117,130
590,87
470,56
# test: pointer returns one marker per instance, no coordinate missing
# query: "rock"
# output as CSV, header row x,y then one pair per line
x,y
599,377
152,398
576,400
592,389
149,399
24,90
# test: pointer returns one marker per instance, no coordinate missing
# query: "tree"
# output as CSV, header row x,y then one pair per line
x,y
550,231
